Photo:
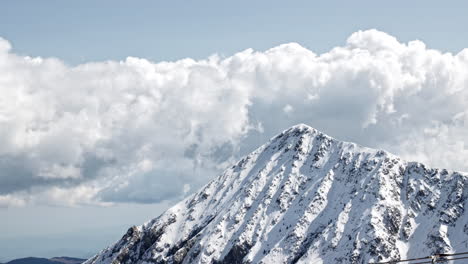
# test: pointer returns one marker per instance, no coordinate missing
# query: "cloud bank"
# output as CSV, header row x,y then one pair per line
x,y
139,131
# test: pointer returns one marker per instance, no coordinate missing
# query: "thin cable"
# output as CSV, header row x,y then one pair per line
x,y
454,254
422,258
440,260
422,262
444,260
401,260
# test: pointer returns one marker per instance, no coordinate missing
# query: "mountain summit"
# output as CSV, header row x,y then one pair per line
x,y
305,197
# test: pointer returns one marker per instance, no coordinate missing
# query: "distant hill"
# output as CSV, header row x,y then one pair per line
x,y
32,260
56,260
68,260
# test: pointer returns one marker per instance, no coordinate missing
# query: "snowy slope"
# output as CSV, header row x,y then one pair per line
x,y
305,197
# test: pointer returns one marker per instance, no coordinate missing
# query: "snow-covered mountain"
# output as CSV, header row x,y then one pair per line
x,y
305,197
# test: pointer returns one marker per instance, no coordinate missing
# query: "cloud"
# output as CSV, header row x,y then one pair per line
x,y
144,132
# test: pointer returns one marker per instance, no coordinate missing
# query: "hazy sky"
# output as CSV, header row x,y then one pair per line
x,y
110,111
83,31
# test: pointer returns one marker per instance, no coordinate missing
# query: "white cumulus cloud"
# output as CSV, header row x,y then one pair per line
x,y
141,131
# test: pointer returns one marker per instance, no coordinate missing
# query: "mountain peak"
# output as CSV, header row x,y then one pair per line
x,y
299,129
306,197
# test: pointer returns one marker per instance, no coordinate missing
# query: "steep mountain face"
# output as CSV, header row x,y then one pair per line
x,y
305,197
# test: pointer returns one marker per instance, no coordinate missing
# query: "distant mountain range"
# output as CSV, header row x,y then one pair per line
x,y
56,260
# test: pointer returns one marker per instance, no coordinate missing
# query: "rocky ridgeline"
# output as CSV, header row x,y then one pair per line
x,y
305,197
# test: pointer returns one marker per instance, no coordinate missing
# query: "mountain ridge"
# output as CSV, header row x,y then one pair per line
x,y
305,197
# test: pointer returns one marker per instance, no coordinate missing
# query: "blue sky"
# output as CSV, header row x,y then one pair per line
x,y
92,147
84,31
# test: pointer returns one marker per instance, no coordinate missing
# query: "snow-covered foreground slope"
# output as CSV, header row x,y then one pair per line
x,y
305,197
